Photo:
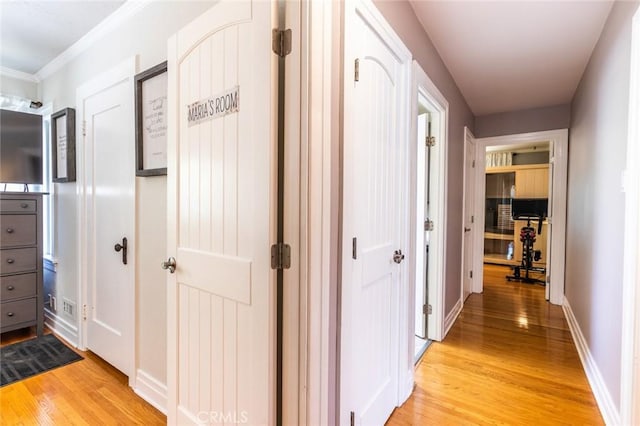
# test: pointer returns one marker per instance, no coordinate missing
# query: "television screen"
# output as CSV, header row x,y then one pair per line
x,y
20,147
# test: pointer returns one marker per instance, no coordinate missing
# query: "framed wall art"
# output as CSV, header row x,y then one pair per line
x,y
151,121
63,145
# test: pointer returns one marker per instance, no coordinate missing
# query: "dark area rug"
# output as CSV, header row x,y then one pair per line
x,y
25,359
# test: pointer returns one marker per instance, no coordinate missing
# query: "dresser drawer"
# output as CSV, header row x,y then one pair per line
x,y
17,260
17,230
17,312
18,206
17,286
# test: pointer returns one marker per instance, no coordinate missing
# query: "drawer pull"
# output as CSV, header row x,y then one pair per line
x,y
10,287
10,261
24,205
9,314
9,230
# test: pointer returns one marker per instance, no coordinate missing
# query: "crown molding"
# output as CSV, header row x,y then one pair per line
x,y
111,22
20,75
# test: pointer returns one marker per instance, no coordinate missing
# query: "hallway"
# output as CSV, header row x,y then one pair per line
x,y
508,359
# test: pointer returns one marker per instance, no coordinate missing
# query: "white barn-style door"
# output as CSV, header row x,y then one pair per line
x,y
221,201
375,216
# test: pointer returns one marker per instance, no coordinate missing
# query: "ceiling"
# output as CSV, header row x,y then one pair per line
x,y
514,55
504,55
33,33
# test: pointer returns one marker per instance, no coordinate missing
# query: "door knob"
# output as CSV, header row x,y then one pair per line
x,y
123,247
467,229
169,264
398,257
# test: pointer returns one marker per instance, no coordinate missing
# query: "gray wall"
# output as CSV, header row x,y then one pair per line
x,y
595,223
145,34
402,18
523,121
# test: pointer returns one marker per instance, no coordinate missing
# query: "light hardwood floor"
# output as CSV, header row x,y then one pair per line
x,y
87,392
509,359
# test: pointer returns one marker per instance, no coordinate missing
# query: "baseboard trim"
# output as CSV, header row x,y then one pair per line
x,y
61,327
151,390
603,397
452,317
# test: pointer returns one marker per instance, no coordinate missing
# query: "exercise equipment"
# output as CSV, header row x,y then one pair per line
x,y
536,210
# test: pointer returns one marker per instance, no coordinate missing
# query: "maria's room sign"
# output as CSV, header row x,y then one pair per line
x,y
216,106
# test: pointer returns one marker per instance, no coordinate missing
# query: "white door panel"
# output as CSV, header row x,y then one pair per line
x,y
109,183
375,214
376,262
549,247
469,206
222,219
422,242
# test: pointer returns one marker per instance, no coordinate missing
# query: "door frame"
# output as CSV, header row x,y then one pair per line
x,y
125,71
295,352
321,65
473,189
559,140
630,377
423,87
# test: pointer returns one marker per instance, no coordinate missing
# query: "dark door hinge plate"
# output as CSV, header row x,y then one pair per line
x,y
280,256
281,42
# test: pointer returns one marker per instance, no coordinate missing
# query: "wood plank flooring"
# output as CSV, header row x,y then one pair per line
x,y
87,392
508,359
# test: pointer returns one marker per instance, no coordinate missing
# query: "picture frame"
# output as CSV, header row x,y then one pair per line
x,y
63,146
151,121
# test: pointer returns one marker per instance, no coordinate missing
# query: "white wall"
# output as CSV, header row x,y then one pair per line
x,y
595,214
145,34
17,87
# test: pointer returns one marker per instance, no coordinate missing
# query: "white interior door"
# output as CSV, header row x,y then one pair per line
x,y
422,242
468,216
109,188
549,227
221,217
375,216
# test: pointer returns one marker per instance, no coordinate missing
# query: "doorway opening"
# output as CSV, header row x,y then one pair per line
x,y
429,134
424,128
526,169
516,211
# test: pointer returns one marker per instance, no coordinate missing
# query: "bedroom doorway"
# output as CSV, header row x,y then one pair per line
x,y
428,188
508,185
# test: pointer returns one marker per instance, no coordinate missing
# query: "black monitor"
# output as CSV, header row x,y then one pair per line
x,y
529,208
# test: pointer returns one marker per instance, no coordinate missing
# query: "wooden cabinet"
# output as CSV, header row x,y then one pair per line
x,y
529,181
533,182
21,294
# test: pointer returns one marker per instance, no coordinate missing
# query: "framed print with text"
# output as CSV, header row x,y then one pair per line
x,y
63,145
151,121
